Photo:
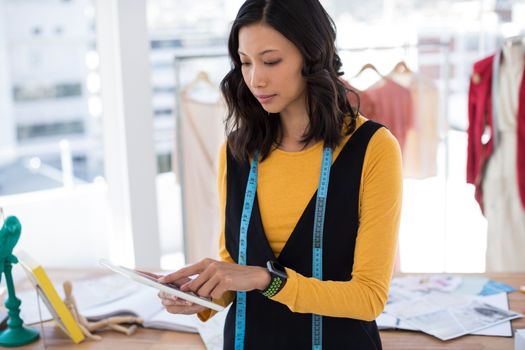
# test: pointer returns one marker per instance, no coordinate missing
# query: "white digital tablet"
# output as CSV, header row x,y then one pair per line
x,y
169,288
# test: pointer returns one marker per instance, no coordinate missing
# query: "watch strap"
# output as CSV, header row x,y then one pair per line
x,y
276,284
277,280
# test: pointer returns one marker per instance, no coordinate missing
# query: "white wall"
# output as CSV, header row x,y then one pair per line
x,y
60,227
69,228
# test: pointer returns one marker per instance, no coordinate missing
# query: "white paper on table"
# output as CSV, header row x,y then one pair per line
x,y
449,316
503,329
500,300
427,283
174,322
386,321
472,285
519,339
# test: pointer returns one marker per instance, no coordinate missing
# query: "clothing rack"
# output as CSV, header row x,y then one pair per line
x,y
194,54
404,46
177,62
443,115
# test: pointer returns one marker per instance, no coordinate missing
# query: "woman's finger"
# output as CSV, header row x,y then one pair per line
x,y
172,301
178,309
185,310
167,299
208,286
187,271
178,283
200,280
163,295
218,291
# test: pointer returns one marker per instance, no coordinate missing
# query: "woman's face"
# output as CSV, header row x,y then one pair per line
x,y
271,68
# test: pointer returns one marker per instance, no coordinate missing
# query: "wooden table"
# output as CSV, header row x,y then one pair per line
x,y
405,340
150,339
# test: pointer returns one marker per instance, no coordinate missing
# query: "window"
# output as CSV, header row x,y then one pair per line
x,y
34,131
23,93
51,172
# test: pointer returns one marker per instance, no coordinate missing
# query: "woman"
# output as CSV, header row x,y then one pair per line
x,y
302,268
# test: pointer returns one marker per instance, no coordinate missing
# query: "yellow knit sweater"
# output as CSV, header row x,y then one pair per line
x,y
286,183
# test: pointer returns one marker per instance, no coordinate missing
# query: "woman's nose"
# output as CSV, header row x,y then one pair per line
x,y
257,78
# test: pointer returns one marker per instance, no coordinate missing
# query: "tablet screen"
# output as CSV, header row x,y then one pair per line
x,y
173,284
171,288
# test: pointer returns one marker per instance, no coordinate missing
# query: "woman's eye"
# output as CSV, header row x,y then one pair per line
x,y
272,63
245,63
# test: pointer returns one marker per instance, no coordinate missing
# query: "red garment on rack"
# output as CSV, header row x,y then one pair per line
x,y
479,148
366,105
393,107
520,129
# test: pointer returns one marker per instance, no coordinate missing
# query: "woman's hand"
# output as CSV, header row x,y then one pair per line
x,y
176,305
173,304
217,277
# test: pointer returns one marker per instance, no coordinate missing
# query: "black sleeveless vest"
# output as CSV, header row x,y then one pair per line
x,y
270,324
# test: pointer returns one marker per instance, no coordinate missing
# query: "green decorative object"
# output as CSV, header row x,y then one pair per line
x,y
15,334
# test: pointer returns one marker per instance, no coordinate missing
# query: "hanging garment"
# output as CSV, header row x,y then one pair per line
x,y
420,152
481,135
202,135
393,107
503,210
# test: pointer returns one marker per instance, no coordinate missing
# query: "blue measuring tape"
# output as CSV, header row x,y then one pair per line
x,y
249,197
317,249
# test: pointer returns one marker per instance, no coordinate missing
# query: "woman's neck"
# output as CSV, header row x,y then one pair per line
x,y
293,127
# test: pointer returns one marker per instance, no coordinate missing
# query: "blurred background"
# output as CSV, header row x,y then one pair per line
x,y
110,122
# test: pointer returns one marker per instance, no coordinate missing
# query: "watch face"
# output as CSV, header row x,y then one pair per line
x,y
278,269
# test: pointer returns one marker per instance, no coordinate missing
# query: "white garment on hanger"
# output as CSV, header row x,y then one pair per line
x,y
202,133
420,151
503,210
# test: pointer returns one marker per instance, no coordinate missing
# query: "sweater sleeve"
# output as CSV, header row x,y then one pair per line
x,y
228,297
365,295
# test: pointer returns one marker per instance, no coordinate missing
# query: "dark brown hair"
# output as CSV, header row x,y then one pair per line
x,y
307,25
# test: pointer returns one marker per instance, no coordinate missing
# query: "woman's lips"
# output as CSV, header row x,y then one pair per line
x,y
265,98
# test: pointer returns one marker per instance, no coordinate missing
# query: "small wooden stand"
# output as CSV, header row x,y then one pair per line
x,y
87,327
